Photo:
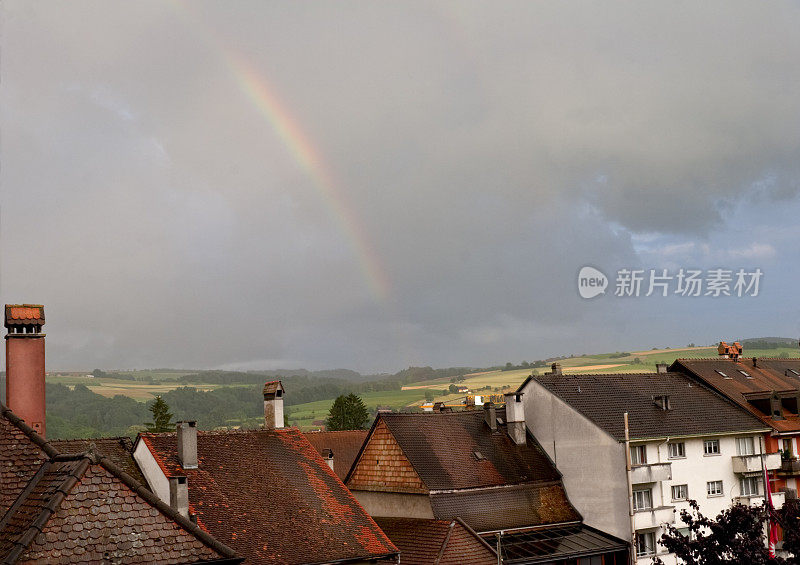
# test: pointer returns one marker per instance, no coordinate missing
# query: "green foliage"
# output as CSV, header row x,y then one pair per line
x,y
735,536
347,413
162,417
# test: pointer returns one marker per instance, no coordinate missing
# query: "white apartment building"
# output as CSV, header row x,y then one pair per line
x,y
686,442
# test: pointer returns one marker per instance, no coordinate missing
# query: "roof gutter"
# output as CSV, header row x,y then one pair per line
x,y
693,436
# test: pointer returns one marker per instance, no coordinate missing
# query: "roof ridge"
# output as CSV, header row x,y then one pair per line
x,y
51,507
445,542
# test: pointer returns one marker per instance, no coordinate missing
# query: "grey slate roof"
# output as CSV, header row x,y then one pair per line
x,y
442,446
695,409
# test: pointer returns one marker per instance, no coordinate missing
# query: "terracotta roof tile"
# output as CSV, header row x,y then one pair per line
x,y
344,444
24,314
117,449
270,496
437,542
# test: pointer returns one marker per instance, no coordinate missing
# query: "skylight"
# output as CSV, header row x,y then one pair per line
x,y
723,374
745,373
794,372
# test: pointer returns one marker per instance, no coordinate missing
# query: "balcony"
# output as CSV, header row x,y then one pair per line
x,y
752,463
651,473
778,498
653,518
790,467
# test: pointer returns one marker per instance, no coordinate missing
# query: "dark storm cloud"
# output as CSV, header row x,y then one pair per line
x,y
488,150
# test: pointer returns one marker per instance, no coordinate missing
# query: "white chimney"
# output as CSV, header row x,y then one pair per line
x,y
179,495
273,405
327,455
515,417
187,444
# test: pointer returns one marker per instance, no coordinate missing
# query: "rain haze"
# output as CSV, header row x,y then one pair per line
x,y
257,185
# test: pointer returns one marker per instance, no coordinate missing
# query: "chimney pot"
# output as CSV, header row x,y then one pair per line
x,y
179,494
187,444
555,369
490,415
25,388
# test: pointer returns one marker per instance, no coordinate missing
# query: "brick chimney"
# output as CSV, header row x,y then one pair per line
x,y
187,444
555,369
179,494
327,455
273,405
25,363
515,417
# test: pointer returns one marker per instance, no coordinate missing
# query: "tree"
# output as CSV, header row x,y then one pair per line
x,y
429,396
735,536
347,413
162,417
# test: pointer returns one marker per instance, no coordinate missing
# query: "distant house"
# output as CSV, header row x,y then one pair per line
x,y
686,442
477,467
82,507
267,493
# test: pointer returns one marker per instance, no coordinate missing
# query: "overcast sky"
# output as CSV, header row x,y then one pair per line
x,y
377,185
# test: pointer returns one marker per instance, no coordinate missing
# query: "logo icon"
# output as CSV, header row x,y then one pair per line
x,y
591,282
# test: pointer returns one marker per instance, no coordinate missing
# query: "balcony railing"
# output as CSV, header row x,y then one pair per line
x,y
778,498
651,473
790,467
752,463
654,517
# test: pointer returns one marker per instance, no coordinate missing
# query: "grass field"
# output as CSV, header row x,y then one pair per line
x,y
413,394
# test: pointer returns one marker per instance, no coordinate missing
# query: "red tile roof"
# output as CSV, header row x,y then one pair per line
x,y
437,542
85,508
765,376
344,444
24,314
271,496
272,387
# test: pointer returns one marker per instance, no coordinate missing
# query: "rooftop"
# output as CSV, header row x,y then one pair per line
x,y
693,408
344,444
742,380
437,542
84,508
271,496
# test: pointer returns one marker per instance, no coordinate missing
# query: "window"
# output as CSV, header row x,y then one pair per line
x,y
680,492
711,447
686,532
645,544
795,373
745,373
750,486
745,446
723,374
787,448
639,455
677,450
714,488
642,499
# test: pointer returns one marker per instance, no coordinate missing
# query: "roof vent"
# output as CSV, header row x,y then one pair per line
x,y
662,401
479,456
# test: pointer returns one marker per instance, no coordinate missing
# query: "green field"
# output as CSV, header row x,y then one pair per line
x,y
149,383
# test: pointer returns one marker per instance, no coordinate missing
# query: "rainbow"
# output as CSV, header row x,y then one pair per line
x,y
269,106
